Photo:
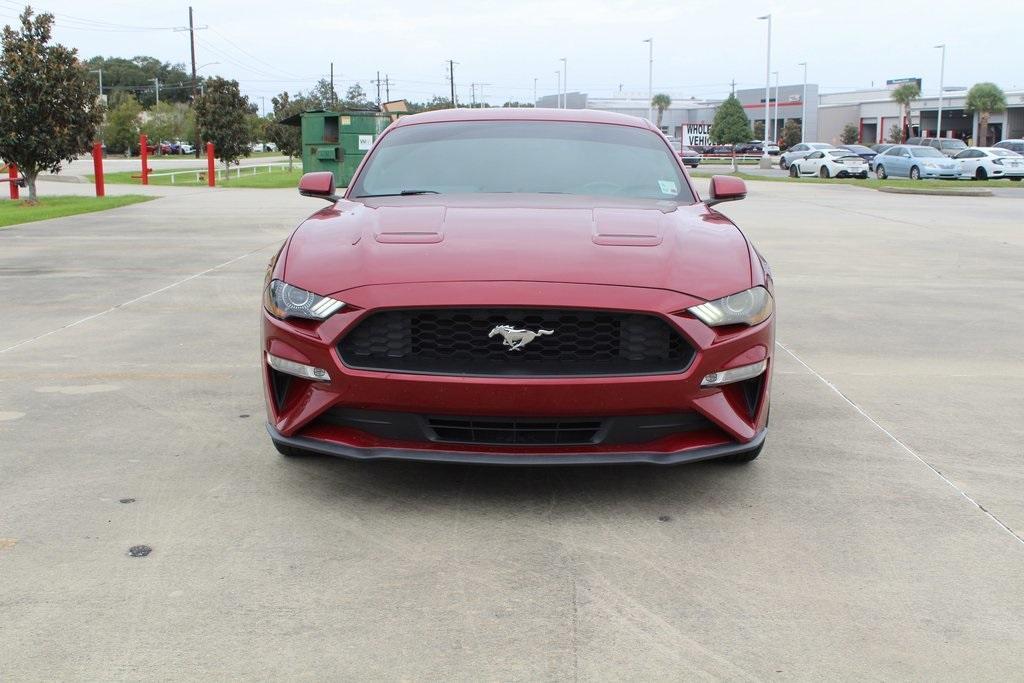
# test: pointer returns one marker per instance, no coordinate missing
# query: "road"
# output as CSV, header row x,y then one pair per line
x,y
877,537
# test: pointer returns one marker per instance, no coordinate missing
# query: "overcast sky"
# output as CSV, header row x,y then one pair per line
x,y
699,45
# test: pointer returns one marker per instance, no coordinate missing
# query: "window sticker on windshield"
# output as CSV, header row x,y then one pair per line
x,y
668,187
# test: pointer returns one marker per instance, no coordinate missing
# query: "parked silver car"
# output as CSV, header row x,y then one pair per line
x,y
800,151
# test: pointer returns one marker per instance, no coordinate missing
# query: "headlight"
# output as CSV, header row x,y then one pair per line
x,y
749,307
283,300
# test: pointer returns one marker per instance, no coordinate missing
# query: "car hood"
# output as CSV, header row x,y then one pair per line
x,y
533,238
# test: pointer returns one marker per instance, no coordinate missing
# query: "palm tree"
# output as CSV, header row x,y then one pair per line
x,y
904,95
985,99
661,102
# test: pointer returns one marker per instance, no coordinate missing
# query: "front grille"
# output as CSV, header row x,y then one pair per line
x,y
456,341
505,432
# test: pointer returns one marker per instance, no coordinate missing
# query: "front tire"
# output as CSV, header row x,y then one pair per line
x,y
880,172
915,173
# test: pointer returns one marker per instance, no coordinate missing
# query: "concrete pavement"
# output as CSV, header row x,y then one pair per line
x,y
866,542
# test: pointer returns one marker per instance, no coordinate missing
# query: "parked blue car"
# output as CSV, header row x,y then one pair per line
x,y
915,162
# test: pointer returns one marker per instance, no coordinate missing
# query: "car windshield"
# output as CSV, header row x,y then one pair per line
x,y
1000,152
927,152
857,148
843,154
953,144
551,157
819,146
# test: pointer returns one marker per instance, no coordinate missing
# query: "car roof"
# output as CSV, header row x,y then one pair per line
x,y
525,114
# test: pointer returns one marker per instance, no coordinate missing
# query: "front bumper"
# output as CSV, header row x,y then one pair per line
x,y
948,174
301,417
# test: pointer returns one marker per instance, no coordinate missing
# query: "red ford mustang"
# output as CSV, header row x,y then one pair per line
x,y
519,287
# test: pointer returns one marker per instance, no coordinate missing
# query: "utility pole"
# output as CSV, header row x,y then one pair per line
x,y
766,161
535,92
192,28
472,95
775,118
451,78
565,82
558,96
803,105
334,100
732,85
377,82
650,79
157,81
942,79
387,87
100,72
263,100
483,102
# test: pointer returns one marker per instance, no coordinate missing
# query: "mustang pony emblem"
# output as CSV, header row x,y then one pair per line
x,y
517,339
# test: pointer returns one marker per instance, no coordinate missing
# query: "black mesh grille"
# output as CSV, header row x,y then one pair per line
x,y
457,341
498,431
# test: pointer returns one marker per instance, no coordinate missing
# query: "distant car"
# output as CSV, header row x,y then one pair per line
x,y
719,149
170,147
982,163
865,153
915,162
186,148
690,157
749,147
800,151
914,141
830,163
1012,145
948,146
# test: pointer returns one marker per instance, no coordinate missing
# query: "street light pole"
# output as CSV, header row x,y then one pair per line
x,y
650,79
803,104
775,119
942,79
100,72
535,92
766,161
157,81
565,82
558,91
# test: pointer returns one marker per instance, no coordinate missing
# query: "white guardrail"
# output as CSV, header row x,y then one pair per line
x,y
221,173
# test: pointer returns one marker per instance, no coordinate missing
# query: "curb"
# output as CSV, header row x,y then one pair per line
x,y
936,191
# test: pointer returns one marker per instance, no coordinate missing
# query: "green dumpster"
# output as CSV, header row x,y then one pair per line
x,y
337,141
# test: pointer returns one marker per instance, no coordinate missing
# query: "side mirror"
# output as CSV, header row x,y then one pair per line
x,y
318,184
725,188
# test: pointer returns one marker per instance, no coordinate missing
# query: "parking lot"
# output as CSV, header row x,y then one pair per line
x,y
878,536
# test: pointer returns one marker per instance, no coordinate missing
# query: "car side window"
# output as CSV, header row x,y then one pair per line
x,y
904,152
891,152
815,155
798,148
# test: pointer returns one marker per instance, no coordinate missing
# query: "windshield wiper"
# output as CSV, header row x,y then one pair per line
x,y
399,194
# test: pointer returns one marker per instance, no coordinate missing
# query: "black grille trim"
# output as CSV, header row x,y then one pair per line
x,y
514,432
455,341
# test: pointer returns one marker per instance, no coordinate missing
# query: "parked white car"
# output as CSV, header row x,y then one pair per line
x,y
982,163
830,163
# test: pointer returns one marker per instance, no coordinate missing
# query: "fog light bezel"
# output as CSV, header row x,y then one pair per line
x,y
290,367
732,375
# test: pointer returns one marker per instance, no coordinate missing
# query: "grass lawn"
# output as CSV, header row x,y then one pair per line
x,y
278,177
871,182
15,212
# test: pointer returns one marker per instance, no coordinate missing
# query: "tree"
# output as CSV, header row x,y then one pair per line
x,y
518,105
221,119
661,102
731,126
355,98
170,121
136,76
758,130
287,138
49,112
121,130
984,99
895,134
791,133
849,135
323,96
904,95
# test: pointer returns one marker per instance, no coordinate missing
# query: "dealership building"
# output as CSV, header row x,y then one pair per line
x,y
872,112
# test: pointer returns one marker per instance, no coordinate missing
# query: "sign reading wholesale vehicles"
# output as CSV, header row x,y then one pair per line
x,y
698,134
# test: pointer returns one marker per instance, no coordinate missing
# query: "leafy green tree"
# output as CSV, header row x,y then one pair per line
x,y
661,102
221,119
731,126
287,138
136,76
121,130
758,130
985,99
895,134
49,112
323,96
169,121
849,135
355,98
791,133
904,95
518,105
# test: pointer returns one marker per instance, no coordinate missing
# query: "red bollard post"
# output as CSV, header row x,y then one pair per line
x,y
211,175
97,167
144,154
12,173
